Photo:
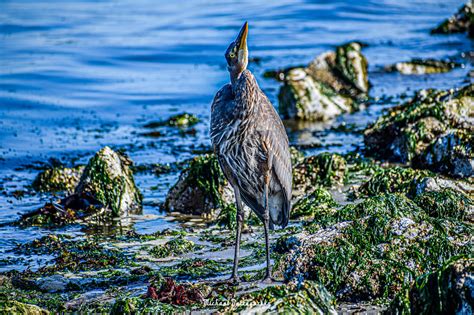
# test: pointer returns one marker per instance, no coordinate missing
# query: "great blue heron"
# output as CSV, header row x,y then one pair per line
x,y
251,145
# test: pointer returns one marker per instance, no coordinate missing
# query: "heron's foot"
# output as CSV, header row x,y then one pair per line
x,y
268,279
234,280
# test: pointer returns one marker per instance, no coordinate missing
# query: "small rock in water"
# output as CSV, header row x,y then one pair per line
x,y
329,86
461,22
109,179
422,66
58,179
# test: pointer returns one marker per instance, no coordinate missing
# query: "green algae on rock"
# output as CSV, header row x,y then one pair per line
x,y
461,22
58,179
374,248
408,130
201,188
448,290
109,179
174,247
422,66
15,307
328,87
325,169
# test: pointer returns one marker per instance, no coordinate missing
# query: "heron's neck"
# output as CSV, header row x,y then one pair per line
x,y
234,77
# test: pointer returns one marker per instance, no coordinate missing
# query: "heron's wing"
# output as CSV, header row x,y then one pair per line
x,y
221,111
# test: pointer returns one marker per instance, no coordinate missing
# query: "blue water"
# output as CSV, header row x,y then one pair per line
x,y
78,75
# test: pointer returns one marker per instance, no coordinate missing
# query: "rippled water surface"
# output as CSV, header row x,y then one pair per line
x,y
79,75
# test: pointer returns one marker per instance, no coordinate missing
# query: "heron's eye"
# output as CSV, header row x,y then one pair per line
x,y
232,55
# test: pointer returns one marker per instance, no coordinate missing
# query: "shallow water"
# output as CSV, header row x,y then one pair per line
x,y
80,75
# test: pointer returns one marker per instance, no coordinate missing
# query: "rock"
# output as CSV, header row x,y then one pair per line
x,y
324,169
201,188
54,283
409,130
461,22
15,307
429,184
109,179
448,290
422,66
451,153
58,179
328,87
373,249
180,120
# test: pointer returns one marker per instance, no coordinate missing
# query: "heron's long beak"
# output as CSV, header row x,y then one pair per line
x,y
242,37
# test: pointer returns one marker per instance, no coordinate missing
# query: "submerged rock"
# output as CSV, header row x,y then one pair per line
x,y
413,129
422,66
201,188
109,179
326,88
448,290
180,120
375,248
461,22
58,179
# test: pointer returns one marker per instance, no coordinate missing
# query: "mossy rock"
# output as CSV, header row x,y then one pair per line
x,y
447,204
394,180
407,130
448,290
375,248
201,188
174,247
451,153
422,66
58,179
461,22
330,85
15,307
325,169
317,203
109,179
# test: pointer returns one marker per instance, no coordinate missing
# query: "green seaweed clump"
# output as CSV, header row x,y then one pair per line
x,y
195,268
393,180
373,249
199,189
308,298
58,179
461,22
318,203
109,179
325,169
174,247
15,307
447,204
448,290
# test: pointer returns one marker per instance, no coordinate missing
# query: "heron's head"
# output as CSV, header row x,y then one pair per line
x,y
237,53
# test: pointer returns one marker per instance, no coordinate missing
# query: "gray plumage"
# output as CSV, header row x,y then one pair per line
x,y
252,148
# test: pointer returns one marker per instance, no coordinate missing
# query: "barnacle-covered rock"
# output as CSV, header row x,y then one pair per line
x,y
58,179
201,188
451,153
15,307
422,66
448,290
323,169
437,183
109,179
327,87
317,203
409,130
375,248
461,22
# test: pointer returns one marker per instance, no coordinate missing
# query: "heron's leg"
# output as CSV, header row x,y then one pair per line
x,y
240,219
266,226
